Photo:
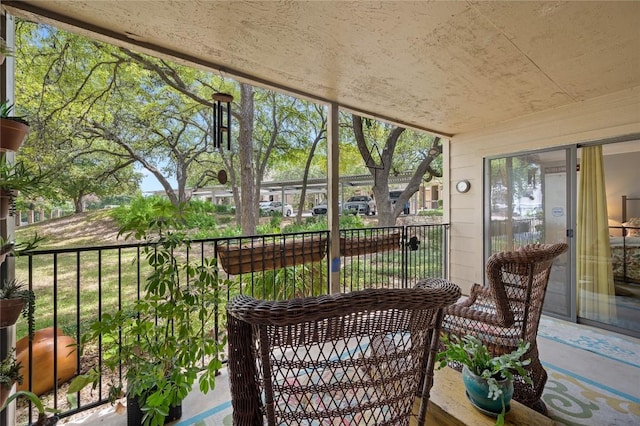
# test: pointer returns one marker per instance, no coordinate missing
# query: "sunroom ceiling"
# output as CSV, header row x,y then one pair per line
x,y
444,66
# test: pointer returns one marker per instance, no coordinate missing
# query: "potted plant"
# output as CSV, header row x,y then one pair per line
x,y
13,130
9,374
15,298
161,340
14,178
488,380
43,419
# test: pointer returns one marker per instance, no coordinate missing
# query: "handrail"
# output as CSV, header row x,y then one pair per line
x,y
74,285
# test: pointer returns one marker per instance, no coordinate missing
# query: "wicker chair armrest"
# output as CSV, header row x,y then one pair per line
x,y
310,309
476,290
480,290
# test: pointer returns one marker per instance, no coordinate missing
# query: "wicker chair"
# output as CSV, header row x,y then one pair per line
x,y
508,310
353,358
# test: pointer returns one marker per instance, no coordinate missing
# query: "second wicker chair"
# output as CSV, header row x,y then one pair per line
x,y
508,310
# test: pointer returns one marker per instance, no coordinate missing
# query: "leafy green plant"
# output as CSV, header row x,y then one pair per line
x,y
5,112
21,247
18,177
6,247
431,212
472,353
162,340
288,283
43,419
140,208
10,371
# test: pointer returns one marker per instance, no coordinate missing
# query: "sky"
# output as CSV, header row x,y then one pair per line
x,y
150,183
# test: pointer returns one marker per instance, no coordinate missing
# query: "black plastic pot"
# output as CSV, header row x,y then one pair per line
x,y
135,414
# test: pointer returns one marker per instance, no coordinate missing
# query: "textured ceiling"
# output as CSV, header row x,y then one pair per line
x,y
448,67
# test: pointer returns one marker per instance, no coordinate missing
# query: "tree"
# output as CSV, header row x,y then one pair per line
x,y
302,133
92,175
367,133
316,117
73,167
99,101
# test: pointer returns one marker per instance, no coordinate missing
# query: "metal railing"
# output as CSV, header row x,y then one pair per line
x,y
508,234
75,286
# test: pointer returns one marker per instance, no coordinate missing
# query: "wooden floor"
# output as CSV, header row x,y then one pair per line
x,y
449,406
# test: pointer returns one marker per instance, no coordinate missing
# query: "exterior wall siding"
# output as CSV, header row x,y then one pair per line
x,y
609,116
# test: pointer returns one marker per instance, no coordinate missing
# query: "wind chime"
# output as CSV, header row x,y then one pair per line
x,y
221,121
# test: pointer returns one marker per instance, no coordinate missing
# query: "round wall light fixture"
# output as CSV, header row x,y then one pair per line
x,y
463,186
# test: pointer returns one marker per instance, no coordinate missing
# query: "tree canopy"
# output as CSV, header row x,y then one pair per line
x,y
100,113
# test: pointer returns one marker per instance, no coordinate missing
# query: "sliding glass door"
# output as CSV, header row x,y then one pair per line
x,y
587,196
608,236
528,204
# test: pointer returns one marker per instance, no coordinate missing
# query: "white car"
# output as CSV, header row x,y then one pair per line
x,y
322,209
270,207
362,204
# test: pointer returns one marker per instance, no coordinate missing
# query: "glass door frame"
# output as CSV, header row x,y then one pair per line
x,y
572,247
570,154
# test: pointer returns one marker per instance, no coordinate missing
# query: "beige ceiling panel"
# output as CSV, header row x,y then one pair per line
x,y
444,66
588,49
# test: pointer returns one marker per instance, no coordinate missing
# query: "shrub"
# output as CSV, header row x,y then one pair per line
x,y
431,212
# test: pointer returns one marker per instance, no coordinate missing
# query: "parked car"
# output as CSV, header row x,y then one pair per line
x,y
362,204
322,208
270,207
394,195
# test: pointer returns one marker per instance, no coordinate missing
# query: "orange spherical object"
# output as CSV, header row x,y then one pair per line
x,y
42,367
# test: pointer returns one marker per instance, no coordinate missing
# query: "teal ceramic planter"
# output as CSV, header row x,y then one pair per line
x,y
478,389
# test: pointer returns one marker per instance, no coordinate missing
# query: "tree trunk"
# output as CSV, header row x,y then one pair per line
x,y
247,169
303,192
79,205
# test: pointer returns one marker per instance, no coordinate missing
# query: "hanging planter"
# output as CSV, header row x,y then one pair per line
x,y
244,258
356,246
15,299
11,309
13,130
12,134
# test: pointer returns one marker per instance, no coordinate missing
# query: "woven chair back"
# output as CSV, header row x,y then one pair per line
x,y
354,358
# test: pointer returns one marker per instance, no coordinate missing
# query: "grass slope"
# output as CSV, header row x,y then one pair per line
x,y
78,230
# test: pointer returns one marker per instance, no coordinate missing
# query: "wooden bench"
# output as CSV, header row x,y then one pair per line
x,y
449,406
